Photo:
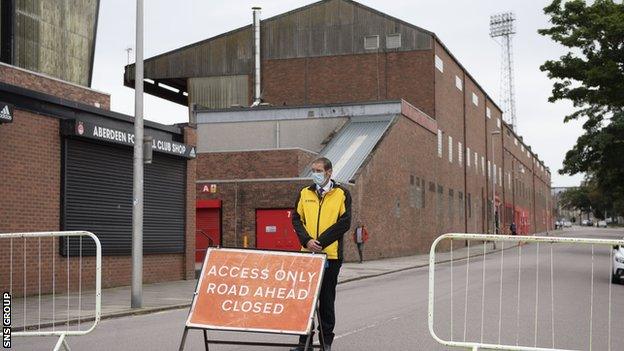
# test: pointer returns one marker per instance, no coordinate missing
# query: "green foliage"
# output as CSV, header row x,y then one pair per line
x,y
588,197
591,75
576,199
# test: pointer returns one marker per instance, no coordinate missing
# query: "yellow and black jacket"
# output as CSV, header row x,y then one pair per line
x,y
324,219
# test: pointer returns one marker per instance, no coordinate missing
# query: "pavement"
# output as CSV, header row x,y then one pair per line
x,y
178,294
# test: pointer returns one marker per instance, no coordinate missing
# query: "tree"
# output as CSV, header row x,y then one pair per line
x,y
591,75
576,199
587,198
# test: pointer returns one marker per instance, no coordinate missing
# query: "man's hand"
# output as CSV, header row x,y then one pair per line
x,y
314,246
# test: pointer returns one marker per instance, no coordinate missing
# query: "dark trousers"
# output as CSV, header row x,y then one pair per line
x,y
360,247
327,296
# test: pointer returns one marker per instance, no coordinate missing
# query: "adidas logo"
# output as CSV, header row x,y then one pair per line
x,y
6,114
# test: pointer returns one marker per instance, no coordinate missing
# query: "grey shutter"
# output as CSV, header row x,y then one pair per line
x,y
97,197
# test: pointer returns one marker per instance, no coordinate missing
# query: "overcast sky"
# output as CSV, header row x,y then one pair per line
x,y
462,25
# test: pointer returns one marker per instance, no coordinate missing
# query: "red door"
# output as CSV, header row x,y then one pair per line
x,y
207,227
274,230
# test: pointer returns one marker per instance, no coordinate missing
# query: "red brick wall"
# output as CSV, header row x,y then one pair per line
x,y
239,201
282,163
30,167
284,82
522,188
351,78
51,86
116,270
508,186
381,199
449,113
375,197
383,203
411,76
475,139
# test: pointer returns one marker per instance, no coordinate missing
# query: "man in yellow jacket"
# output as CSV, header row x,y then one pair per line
x,y
321,218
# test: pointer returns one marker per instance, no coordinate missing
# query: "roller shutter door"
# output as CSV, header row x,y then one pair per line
x,y
97,197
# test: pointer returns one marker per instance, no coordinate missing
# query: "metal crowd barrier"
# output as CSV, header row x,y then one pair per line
x,y
514,247
34,299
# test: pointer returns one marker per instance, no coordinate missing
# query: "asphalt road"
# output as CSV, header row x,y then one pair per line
x,y
390,312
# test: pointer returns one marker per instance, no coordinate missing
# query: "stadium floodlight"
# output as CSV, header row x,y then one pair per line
x,y
502,25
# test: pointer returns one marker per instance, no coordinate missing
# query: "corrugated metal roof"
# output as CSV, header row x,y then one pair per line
x,y
353,143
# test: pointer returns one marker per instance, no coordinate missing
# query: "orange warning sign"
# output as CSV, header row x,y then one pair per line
x,y
255,290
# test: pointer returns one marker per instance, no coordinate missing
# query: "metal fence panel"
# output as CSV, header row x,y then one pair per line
x,y
529,276
46,288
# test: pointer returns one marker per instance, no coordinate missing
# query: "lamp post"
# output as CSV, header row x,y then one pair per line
x,y
136,291
494,231
495,132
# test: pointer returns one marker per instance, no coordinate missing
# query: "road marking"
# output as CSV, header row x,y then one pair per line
x,y
374,325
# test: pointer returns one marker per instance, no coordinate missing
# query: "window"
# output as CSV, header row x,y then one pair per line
x,y
393,41
439,64
470,205
431,186
397,208
439,204
420,193
450,148
417,186
509,180
412,192
500,176
468,156
476,163
494,175
460,207
439,143
475,99
522,148
516,141
528,153
489,170
459,84
488,112
371,42
460,153
498,123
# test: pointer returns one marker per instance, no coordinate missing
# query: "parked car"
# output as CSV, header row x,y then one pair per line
x,y
618,264
567,224
602,224
585,222
558,224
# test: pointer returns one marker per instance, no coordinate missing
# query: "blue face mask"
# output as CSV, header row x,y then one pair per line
x,y
318,178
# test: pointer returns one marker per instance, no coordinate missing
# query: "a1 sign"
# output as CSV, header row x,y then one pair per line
x,y
6,113
255,290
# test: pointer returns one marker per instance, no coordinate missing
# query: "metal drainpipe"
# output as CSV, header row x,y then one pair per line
x,y
256,29
465,164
